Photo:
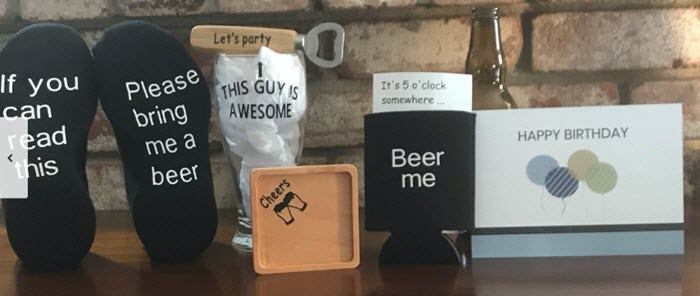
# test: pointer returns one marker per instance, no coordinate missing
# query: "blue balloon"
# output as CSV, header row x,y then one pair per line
x,y
561,183
539,166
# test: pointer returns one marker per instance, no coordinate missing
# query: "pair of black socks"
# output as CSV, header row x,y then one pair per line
x,y
159,105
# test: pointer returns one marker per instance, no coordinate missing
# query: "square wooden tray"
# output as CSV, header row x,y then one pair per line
x,y
330,282
305,218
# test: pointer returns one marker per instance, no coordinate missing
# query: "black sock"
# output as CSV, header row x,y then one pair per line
x,y
54,227
159,105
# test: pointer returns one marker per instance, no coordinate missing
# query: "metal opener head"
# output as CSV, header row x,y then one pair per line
x,y
309,42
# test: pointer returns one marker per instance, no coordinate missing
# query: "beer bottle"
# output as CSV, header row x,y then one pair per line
x,y
485,62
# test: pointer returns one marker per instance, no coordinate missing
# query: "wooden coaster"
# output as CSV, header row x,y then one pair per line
x,y
305,218
334,282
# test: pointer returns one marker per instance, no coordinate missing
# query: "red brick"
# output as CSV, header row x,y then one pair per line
x,y
616,40
251,6
360,4
552,95
171,7
418,45
335,117
42,10
101,137
7,9
685,92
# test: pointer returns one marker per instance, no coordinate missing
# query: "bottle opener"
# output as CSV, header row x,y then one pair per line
x,y
249,40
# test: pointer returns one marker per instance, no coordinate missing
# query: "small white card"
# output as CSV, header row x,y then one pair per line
x,y
421,91
14,163
586,166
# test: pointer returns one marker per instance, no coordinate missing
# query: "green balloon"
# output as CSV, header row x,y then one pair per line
x,y
601,178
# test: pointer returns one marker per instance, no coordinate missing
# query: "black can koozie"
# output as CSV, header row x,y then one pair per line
x,y
419,171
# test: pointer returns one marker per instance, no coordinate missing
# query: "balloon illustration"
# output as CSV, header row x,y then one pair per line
x,y
601,178
561,183
538,168
581,162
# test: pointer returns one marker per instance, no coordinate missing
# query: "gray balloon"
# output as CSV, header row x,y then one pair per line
x,y
539,166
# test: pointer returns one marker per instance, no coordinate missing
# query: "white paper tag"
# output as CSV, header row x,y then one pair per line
x,y
421,91
13,157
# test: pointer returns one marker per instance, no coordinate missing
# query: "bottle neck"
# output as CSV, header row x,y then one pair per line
x,y
485,58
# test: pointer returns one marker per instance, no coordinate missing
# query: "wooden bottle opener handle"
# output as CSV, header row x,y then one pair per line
x,y
242,40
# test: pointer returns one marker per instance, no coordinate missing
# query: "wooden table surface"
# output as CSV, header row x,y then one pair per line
x,y
117,265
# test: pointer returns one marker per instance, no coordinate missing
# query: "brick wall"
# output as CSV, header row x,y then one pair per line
x,y
560,52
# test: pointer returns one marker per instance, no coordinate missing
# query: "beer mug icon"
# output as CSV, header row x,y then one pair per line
x,y
285,213
284,209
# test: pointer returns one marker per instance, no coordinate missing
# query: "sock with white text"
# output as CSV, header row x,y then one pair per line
x,y
51,82
159,106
